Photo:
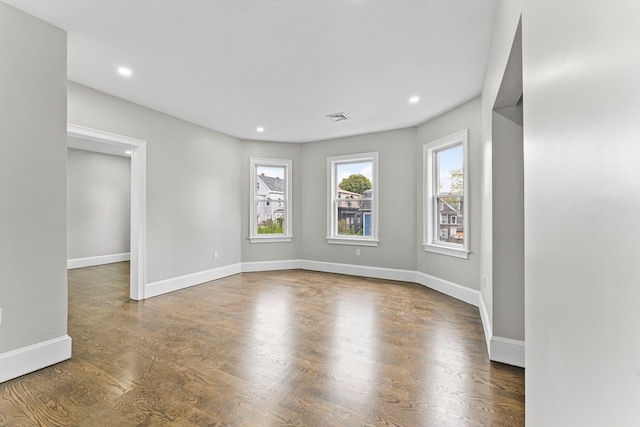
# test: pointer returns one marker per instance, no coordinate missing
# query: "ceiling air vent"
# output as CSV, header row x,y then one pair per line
x,y
338,117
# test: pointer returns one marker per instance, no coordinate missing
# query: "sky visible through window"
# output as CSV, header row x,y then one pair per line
x,y
272,171
346,169
448,160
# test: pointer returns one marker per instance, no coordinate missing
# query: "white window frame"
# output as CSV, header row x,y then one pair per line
x,y
287,236
332,211
431,215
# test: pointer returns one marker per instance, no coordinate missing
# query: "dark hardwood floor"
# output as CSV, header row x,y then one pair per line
x,y
290,348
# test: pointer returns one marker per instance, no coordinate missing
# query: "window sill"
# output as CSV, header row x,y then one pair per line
x,y
352,241
270,239
445,250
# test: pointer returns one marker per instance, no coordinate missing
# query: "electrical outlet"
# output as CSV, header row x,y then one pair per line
x,y
358,252
0,315
215,255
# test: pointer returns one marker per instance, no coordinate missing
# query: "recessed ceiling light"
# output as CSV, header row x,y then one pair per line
x,y
260,129
125,72
414,99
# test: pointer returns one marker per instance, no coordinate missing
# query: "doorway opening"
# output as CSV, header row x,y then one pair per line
x,y
507,163
100,141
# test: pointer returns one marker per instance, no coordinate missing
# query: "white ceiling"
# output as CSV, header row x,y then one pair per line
x,y
234,65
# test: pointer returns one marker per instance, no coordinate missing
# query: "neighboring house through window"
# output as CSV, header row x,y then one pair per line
x,y
353,199
446,174
270,209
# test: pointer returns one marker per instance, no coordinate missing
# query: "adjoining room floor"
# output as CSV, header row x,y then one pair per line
x,y
295,348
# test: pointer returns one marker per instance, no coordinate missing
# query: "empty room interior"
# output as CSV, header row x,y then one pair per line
x,y
322,213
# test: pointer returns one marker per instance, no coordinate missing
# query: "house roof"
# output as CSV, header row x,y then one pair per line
x,y
349,193
273,184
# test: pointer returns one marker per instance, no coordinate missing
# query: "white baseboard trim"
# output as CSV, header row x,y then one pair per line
x,y
506,350
486,324
462,293
503,350
97,260
181,282
500,349
251,267
24,360
359,270
451,289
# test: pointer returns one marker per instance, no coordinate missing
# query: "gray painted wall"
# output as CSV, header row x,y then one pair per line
x,y
582,277
508,229
33,153
255,252
98,204
397,198
193,184
581,151
464,272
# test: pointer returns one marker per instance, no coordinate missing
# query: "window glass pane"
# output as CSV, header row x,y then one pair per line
x,y
450,170
270,180
270,195
354,177
270,216
354,217
450,213
354,194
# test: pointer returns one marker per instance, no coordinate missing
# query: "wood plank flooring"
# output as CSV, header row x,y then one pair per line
x,y
286,348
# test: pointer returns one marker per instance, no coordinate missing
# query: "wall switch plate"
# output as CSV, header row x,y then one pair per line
x,y
0,315
215,255
358,252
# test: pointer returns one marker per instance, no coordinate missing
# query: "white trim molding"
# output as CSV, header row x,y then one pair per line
x,y
500,349
503,350
333,163
359,270
352,241
432,196
31,358
138,148
506,350
486,323
251,267
279,197
186,281
459,292
97,260
451,289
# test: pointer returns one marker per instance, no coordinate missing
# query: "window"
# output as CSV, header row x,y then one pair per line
x,y
446,175
353,199
270,206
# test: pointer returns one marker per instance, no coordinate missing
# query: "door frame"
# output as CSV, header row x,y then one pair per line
x,y
138,243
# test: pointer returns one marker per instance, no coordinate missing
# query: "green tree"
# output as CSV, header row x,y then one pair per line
x,y
356,183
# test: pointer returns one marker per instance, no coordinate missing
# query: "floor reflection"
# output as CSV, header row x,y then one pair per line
x,y
271,342
354,348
